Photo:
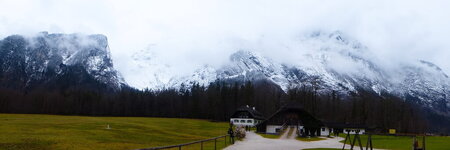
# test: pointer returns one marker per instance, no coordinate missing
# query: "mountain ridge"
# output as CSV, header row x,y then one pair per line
x,y
30,62
421,81
331,62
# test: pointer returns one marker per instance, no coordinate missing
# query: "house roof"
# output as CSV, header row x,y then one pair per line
x,y
253,112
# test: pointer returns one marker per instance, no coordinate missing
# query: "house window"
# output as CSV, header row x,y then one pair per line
x,y
323,129
249,121
236,120
242,121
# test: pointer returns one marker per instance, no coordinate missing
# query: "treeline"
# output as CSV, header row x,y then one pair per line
x,y
218,102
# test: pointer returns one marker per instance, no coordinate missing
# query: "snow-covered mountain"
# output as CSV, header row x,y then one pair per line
x,y
329,62
47,59
326,61
425,83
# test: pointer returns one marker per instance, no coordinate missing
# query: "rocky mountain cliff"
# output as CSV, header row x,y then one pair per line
x,y
57,61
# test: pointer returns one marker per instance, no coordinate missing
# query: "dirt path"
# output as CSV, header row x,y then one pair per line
x,y
291,133
285,133
254,141
294,133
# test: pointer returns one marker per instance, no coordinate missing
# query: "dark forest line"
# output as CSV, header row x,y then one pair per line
x,y
220,100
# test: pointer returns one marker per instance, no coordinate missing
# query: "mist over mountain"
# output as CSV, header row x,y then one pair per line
x,y
330,62
57,61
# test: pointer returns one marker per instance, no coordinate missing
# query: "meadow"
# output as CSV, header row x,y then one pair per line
x,y
42,132
49,132
405,142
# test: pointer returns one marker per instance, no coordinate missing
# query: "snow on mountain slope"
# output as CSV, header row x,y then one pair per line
x,y
250,66
329,61
343,63
203,76
45,57
425,83
149,71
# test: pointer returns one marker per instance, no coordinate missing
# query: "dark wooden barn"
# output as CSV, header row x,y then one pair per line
x,y
291,115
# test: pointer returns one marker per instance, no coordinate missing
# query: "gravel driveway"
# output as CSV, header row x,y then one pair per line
x,y
254,141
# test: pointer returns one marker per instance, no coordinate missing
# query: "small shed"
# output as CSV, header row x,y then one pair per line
x,y
246,116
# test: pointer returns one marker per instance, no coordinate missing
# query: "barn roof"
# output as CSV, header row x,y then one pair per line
x,y
306,118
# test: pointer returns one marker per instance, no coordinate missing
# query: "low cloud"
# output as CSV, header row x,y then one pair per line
x,y
188,34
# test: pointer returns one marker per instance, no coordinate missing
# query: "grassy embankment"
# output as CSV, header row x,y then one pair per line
x,y
27,131
310,139
273,136
270,136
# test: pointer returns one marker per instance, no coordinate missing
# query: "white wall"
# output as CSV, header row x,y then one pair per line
x,y
324,131
272,128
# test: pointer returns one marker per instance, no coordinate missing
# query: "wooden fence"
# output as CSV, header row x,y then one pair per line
x,y
180,146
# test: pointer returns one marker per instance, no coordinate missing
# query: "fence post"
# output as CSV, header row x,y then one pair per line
x,y
201,145
423,142
215,143
179,148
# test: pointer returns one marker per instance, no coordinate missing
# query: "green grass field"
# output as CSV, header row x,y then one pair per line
x,y
269,136
272,136
41,132
311,139
405,142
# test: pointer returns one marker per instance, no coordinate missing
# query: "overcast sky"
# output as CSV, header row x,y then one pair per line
x,y
180,30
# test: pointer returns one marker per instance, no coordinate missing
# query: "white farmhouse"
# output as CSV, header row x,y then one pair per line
x,y
246,116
